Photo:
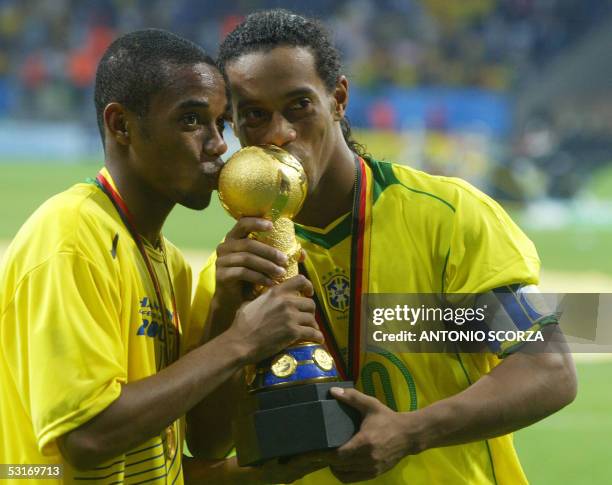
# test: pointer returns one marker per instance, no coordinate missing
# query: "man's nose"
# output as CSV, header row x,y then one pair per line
x,y
280,132
215,146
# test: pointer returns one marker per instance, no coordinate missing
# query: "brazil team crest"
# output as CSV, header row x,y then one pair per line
x,y
337,290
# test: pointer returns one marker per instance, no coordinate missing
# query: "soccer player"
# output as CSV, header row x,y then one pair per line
x,y
377,227
95,302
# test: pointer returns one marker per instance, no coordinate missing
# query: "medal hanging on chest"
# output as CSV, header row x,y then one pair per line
x,y
171,444
349,369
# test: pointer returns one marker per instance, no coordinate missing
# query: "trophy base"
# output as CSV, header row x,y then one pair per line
x,y
289,421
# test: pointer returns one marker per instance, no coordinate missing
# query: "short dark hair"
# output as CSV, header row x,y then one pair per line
x,y
136,66
265,30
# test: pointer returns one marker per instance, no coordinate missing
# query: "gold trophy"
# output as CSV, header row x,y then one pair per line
x,y
290,411
265,181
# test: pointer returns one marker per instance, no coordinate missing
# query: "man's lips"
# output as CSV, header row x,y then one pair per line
x,y
212,169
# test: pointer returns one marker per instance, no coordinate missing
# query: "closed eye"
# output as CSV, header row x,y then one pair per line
x,y
302,103
253,114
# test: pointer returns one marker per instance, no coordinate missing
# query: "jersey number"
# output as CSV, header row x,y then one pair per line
x,y
372,369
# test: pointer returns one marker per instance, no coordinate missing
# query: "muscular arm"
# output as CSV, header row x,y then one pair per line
x,y
209,422
145,407
241,263
521,390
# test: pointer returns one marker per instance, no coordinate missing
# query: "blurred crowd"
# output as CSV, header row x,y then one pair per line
x,y
554,156
475,43
49,50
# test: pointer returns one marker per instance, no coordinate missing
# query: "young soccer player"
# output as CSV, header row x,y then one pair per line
x,y
95,302
376,227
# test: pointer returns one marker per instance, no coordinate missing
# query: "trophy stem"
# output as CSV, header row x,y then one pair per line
x,y
282,237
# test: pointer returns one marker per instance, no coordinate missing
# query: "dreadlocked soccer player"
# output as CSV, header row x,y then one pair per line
x,y
376,227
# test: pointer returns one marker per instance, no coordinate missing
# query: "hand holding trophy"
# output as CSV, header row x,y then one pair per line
x,y
290,412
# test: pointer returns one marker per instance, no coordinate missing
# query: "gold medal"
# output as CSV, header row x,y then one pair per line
x,y
322,358
283,365
170,442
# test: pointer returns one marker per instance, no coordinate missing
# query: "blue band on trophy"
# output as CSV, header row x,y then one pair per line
x,y
299,364
303,373
302,353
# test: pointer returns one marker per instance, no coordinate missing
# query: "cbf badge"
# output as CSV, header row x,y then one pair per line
x,y
337,290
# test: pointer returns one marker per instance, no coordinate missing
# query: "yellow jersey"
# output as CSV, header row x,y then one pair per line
x,y
79,318
423,234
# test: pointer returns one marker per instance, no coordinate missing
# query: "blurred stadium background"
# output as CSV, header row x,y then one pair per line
x,y
513,95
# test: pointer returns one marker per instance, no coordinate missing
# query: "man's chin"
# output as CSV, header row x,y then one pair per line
x,y
197,203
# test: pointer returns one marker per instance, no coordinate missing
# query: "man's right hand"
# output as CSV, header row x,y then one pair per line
x,y
243,263
276,319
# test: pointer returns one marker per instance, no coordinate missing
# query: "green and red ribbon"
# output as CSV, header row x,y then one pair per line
x,y
350,369
128,221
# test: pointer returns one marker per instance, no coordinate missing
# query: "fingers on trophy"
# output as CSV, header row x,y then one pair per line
x,y
266,181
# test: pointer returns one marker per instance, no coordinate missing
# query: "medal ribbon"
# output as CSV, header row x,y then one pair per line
x,y
128,221
358,274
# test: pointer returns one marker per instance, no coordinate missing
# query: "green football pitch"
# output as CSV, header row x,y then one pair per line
x,y
24,186
568,447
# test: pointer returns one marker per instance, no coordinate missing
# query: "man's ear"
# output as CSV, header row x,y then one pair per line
x,y
341,97
116,123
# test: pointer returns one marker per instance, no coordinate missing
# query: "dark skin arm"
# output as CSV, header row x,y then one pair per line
x,y
523,389
228,472
144,408
209,422
498,403
241,264
221,472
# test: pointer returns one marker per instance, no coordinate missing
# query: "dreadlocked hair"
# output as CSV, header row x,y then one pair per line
x,y
266,30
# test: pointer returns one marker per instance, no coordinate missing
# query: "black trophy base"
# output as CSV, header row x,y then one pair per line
x,y
293,420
